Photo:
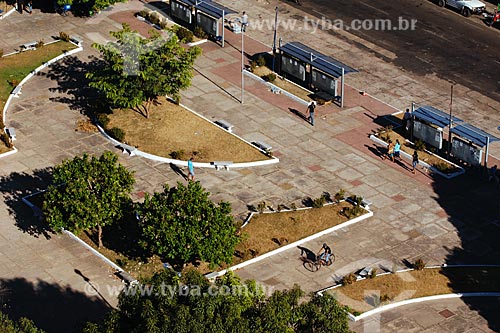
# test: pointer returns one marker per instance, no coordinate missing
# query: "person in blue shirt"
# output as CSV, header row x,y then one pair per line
x,y
397,149
190,169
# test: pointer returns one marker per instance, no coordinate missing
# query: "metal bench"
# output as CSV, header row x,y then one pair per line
x,y
76,40
366,203
17,91
12,133
262,145
222,164
128,149
28,46
365,272
225,125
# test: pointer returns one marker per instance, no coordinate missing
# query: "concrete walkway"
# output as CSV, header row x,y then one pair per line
x,y
411,217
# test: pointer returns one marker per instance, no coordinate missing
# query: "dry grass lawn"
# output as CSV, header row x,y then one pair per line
x,y
265,231
359,296
171,128
284,84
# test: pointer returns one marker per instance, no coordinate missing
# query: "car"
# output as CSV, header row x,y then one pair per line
x,y
466,7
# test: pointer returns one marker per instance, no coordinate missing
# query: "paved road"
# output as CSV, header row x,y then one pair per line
x,y
444,43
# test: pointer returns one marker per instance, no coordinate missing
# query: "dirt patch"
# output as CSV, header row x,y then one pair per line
x,y
171,128
267,232
360,296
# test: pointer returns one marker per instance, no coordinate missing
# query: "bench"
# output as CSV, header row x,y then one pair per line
x,y
262,145
28,46
12,133
76,40
366,203
128,149
222,164
16,91
225,125
127,278
365,272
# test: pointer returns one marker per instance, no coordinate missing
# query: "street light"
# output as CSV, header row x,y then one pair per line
x,y
275,29
242,64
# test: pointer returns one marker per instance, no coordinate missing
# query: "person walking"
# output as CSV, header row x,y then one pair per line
x,y
311,108
30,7
390,151
397,150
406,121
414,161
244,22
190,170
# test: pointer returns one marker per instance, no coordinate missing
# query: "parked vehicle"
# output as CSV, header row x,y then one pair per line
x,y
466,7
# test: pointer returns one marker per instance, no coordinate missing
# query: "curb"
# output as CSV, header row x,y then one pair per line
x,y
272,160
214,275
7,14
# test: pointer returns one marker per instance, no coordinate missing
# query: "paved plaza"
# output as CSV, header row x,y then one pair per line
x,y
415,216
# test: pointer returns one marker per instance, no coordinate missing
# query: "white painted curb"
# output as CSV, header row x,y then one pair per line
x,y
422,163
291,245
271,160
7,14
10,152
274,87
34,72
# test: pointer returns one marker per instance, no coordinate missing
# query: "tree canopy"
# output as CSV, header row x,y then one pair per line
x,y
192,304
23,325
87,193
183,224
137,70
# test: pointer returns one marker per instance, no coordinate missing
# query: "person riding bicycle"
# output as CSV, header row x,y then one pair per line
x,y
325,255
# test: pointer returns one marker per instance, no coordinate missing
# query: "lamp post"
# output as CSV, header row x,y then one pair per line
x,y
242,65
450,122
274,39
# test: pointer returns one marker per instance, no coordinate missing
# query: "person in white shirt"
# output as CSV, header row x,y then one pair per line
x,y
244,22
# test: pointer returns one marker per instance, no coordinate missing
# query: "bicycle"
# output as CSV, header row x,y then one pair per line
x,y
314,265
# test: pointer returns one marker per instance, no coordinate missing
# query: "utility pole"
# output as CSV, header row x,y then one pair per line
x,y
275,29
242,65
451,121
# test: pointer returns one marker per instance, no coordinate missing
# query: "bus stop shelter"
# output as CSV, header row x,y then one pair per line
x,y
206,14
313,70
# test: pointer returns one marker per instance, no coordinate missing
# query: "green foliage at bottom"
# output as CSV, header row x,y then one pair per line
x,y
192,304
23,325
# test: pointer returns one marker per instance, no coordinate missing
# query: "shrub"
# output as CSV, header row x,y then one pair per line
x,y
63,36
154,19
177,154
349,279
280,207
14,82
184,35
271,77
163,25
253,65
143,13
1,53
2,125
373,273
261,206
319,202
40,44
102,119
340,195
261,61
419,264
117,134
327,197
5,138
293,206
444,167
419,145
385,298
198,32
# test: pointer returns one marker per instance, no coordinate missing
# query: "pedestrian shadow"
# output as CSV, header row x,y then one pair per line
x,y
376,150
299,114
306,254
178,170
16,186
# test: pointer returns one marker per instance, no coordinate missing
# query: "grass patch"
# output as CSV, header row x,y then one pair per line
x,y
267,232
171,128
360,296
263,71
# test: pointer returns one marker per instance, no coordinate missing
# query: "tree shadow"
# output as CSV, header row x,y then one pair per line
x,y
18,185
72,85
473,207
51,307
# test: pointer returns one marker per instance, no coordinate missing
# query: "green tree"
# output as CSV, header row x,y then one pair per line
x,y
23,325
88,193
137,70
183,224
192,304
